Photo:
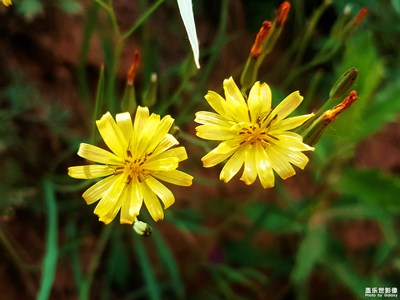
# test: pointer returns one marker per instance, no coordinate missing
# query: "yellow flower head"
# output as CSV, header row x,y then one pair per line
x,y
141,156
253,134
7,2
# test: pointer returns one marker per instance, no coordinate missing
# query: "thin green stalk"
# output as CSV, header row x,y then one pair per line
x,y
144,16
82,76
84,292
111,14
310,93
153,291
194,140
310,30
71,233
51,254
22,267
251,232
98,103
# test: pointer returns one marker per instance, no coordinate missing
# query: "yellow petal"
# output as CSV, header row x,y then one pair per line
x,y
250,168
124,122
289,123
132,203
146,135
110,198
292,141
287,106
214,132
142,114
152,203
161,191
233,165
210,118
235,101
175,177
297,158
179,153
259,100
280,163
168,141
219,154
90,171
216,102
7,2
160,132
264,169
112,135
109,217
165,164
96,191
98,155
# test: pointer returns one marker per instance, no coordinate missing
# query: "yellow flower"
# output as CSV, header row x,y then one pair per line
x,y
253,134
7,2
141,156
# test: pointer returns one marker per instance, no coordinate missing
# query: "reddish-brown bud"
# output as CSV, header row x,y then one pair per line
x,y
338,109
361,15
283,12
130,79
261,35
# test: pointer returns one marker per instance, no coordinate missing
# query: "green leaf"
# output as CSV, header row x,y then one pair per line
x,y
70,6
371,186
275,219
385,108
186,219
169,260
30,8
186,11
311,251
396,6
51,254
344,273
153,290
360,53
117,267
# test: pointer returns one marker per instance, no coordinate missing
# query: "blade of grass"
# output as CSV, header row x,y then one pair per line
x,y
144,16
170,263
82,76
51,254
84,292
99,103
153,290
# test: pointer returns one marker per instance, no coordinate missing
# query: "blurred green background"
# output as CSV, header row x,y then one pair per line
x,y
330,232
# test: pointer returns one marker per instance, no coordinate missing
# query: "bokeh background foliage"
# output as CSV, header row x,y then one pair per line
x,y
327,233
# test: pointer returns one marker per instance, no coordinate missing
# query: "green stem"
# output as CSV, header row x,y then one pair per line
x,y
84,292
143,18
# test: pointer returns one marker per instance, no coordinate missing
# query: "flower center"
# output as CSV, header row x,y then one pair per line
x,y
256,133
134,167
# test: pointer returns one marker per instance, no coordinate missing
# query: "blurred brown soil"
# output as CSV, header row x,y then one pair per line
x,y
47,49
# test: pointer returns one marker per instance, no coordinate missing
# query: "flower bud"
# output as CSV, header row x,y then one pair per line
x,y
150,96
315,131
249,74
175,131
343,84
142,228
129,98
